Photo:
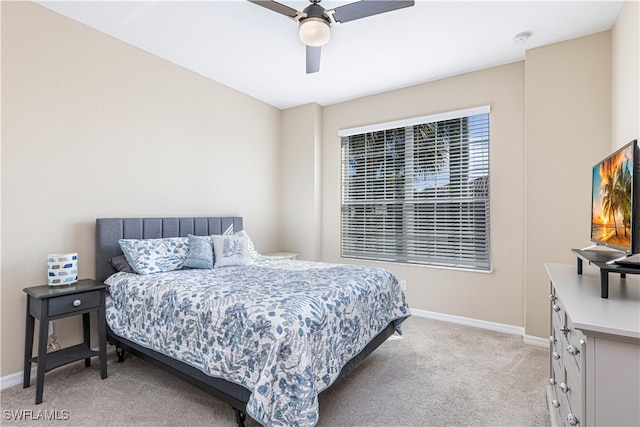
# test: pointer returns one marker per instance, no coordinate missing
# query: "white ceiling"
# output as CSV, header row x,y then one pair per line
x,y
257,51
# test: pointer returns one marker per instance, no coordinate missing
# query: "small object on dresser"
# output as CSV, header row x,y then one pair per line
x,y
62,269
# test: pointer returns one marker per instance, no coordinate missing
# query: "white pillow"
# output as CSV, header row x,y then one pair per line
x,y
252,249
230,250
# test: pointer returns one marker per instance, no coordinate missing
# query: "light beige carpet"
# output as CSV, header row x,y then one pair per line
x,y
437,374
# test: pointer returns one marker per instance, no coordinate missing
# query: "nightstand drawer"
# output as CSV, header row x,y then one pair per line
x,y
75,302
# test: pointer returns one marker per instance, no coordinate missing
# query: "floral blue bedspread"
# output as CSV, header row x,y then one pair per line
x,y
282,329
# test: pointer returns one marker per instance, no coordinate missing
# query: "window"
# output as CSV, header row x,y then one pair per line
x,y
417,191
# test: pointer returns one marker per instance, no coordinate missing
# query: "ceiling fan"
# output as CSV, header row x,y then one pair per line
x,y
315,21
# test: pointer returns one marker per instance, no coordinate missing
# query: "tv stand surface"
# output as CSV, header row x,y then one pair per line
x,y
599,259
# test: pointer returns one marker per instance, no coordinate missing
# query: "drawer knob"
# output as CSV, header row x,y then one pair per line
x,y
556,308
564,388
564,329
552,339
552,381
573,350
552,297
555,355
77,303
572,419
555,403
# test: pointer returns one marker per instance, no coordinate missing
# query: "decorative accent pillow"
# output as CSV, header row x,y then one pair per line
x,y
148,256
120,263
200,253
252,249
231,250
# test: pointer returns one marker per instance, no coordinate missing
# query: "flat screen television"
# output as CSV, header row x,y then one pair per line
x,y
615,208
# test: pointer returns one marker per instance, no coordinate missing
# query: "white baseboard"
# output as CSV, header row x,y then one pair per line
x,y
537,341
483,324
14,379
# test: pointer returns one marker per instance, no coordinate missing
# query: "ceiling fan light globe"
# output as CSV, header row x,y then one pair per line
x,y
314,32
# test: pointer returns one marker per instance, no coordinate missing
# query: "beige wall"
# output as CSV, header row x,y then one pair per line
x,y
496,297
92,127
625,87
301,181
568,129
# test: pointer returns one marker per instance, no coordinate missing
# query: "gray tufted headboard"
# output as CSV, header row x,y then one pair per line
x,y
110,230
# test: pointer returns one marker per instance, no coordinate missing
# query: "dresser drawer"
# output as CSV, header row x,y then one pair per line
x,y
574,391
73,303
557,315
554,405
573,347
557,311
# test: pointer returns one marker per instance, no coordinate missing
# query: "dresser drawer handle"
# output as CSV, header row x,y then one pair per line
x,y
552,381
572,350
564,388
556,308
555,403
552,297
552,339
572,419
564,329
555,355
77,303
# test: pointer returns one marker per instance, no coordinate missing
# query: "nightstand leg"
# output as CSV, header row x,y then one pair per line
x,y
86,332
28,345
43,332
102,337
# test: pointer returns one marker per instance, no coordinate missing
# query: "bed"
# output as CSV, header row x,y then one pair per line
x,y
267,336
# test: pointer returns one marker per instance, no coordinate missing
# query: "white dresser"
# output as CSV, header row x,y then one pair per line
x,y
594,349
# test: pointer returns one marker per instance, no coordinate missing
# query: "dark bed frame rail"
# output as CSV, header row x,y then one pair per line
x,y
110,230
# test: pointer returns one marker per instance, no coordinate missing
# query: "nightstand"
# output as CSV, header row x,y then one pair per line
x,y
47,303
282,255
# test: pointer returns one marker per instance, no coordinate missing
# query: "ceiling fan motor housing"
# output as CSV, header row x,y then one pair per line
x,y
314,10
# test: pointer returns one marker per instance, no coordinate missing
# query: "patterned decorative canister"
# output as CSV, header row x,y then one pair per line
x,y
62,269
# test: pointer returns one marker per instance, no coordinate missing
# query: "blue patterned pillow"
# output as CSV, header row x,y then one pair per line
x,y
148,256
200,253
231,250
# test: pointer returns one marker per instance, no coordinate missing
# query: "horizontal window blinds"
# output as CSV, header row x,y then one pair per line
x,y
418,193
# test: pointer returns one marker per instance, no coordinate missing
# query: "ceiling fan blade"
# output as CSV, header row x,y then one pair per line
x,y
276,7
313,59
364,8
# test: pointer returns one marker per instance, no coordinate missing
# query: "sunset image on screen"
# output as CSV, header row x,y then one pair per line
x,y
612,192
